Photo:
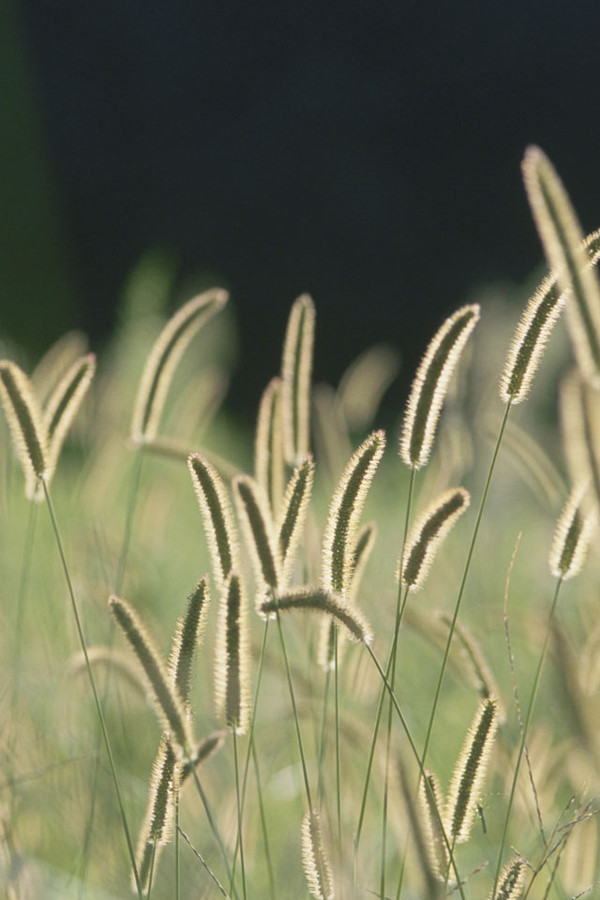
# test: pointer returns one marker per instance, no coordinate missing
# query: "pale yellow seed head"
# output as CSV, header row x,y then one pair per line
x,y
296,370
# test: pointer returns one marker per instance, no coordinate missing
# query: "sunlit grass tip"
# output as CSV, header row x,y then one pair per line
x,y
63,404
232,670
320,601
168,702
188,635
432,807
580,429
293,514
26,426
345,508
269,461
430,385
512,880
258,527
217,517
470,770
562,240
317,868
163,359
428,532
296,369
574,529
157,828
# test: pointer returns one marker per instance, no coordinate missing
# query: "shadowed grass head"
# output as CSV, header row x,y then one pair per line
x,y
26,425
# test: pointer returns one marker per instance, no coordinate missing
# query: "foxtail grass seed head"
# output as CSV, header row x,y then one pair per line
x,y
168,702
320,601
258,528
469,772
580,425
562,239
216,516
431,385
26,425
63,404
163,359
157,828
296,369
574,530
232,676
432,806
315,859
63,353
428,532
345,509
188,635
293,515
512,880
205,748
269,462
534,330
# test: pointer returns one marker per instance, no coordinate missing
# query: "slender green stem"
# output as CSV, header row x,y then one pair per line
x,y
94,688
417,757
323,743
128,530
526,723
213,828
463,581
338,768
295,712
199,857
239,812
263,824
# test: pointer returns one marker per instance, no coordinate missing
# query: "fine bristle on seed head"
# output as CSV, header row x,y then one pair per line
x,y
511,881
574,530
63,404
431,384
427,533
296,369
26,425
315,860
232,677
217,517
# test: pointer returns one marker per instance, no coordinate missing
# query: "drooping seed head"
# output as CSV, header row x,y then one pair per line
x,y
26,425
574,530
258,528
269,461
431,385
232,677
164,357
296,369
562,240
169,705
428,532
293,515
319,601
188,635
470,770
345,509
432,805
216,516
314,858
63,404
157,828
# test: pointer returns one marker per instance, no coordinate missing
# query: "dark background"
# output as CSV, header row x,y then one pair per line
x,y
365,152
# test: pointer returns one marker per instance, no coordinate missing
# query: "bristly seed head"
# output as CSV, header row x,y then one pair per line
x,y
427,533
315,860
574,530
512,880
26,424
217,517
296,372
431,385
232,678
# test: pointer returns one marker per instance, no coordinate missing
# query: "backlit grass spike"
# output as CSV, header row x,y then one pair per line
x,y
293,514
168,702
232,677
345,508
430,386
314,858
296,369
157,828
258,528
217,517
188,635
163,359
26,425
469,772
427,533
574,529
562,239
320,601
269,461
432,806
512,880
63,404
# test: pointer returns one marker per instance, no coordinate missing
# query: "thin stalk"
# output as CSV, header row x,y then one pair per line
x,y
417,756
528,715
263,825
295,712
177,885
338,769
390,666
239,811
151,876
199,857
321,786
463,581
213,828
94,688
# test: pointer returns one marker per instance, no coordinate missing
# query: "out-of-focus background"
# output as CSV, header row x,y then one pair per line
x,y
365,152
